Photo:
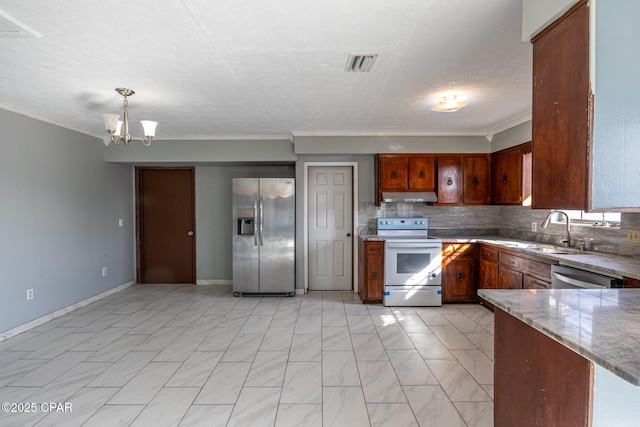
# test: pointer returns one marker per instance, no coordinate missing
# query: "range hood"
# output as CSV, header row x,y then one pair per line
x,y
409,197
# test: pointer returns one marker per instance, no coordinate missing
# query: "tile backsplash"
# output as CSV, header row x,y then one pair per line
x,y
507,221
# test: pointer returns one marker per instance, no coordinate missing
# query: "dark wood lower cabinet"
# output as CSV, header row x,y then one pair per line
x,y
458,272
631,283
371,271
538,381
509,279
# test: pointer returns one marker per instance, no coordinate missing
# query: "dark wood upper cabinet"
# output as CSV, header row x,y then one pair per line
x,y
422,176
450,180
463,179
510,171
561,113
404,173
476,172
458,179
393,173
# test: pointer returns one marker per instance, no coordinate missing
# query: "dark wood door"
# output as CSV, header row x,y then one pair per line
x,y
165,202
450,180
509,279
560,123
458,280
393,173
476,173
488,275
371,271
506,177
422,173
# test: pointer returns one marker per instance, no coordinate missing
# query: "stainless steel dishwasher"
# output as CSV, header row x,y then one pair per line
x,y
563,277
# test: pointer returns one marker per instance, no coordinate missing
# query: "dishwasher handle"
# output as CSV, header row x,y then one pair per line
x,y
575,282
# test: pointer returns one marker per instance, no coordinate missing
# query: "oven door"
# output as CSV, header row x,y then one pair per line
x,y
412,263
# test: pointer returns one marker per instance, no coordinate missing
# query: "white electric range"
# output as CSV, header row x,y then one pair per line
x,y
412,266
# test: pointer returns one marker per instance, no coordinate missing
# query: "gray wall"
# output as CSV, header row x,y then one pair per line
x,y
59,219
213,214
358,145
511,137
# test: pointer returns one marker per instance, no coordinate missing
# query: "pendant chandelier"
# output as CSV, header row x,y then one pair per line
x,y
119,130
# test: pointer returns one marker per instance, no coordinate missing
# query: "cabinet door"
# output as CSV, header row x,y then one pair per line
x,y
458,280
393,173
422,173
560,113
509,279
371,271
375,279
450,180
506,177
476,180
488,275
530,282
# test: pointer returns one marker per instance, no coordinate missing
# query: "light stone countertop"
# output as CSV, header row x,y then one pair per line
x,y
601,325
598,262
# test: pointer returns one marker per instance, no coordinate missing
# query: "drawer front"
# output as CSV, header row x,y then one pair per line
x,y
534,267
458,250
374,248
489,254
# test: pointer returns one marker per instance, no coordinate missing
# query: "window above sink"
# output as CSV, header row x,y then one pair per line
x,y
589,219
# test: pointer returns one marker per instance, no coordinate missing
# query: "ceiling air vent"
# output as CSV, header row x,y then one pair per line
x,y
11,28
360,63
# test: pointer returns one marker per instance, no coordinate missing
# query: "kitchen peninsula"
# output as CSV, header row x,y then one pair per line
x,y
566,357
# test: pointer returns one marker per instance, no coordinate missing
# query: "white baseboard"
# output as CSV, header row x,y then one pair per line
x,y
300,291
213,282
44,319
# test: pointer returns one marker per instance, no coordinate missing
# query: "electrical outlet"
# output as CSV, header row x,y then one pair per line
x,y
534,226
633,236
29,294
630,236
104,271
120,222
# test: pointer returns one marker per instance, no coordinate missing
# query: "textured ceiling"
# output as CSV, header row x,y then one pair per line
x,y
266,68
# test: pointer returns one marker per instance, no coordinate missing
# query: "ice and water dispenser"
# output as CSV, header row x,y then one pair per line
x,y
246,221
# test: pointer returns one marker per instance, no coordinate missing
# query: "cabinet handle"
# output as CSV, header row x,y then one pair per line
x,y
475,180
421,174
504,179
374,275
489,281
459,276
394,174
449,181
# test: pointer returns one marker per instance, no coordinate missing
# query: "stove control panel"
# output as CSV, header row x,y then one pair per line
x,y
403,224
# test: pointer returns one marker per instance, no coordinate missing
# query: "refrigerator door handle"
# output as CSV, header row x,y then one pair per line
x,y
261,220
255,217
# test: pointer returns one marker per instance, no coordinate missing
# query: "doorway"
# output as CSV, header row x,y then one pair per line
x,y
165,231
330,226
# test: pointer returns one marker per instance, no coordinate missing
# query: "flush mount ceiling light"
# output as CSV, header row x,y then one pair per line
x,y
114,126
449,104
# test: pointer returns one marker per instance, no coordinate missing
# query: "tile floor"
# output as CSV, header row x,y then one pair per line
x,y
167,355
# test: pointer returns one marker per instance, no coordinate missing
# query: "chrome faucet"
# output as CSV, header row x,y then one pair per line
x,y
566,240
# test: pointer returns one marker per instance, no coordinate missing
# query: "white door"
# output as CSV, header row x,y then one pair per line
x,y
330,228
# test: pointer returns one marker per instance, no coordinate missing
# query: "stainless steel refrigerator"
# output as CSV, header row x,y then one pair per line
x,y
263,236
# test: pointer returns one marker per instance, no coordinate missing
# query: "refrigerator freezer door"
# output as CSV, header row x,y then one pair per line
x,y
245,247
277,239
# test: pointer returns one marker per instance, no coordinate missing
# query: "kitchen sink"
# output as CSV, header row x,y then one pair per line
x,y
558,251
